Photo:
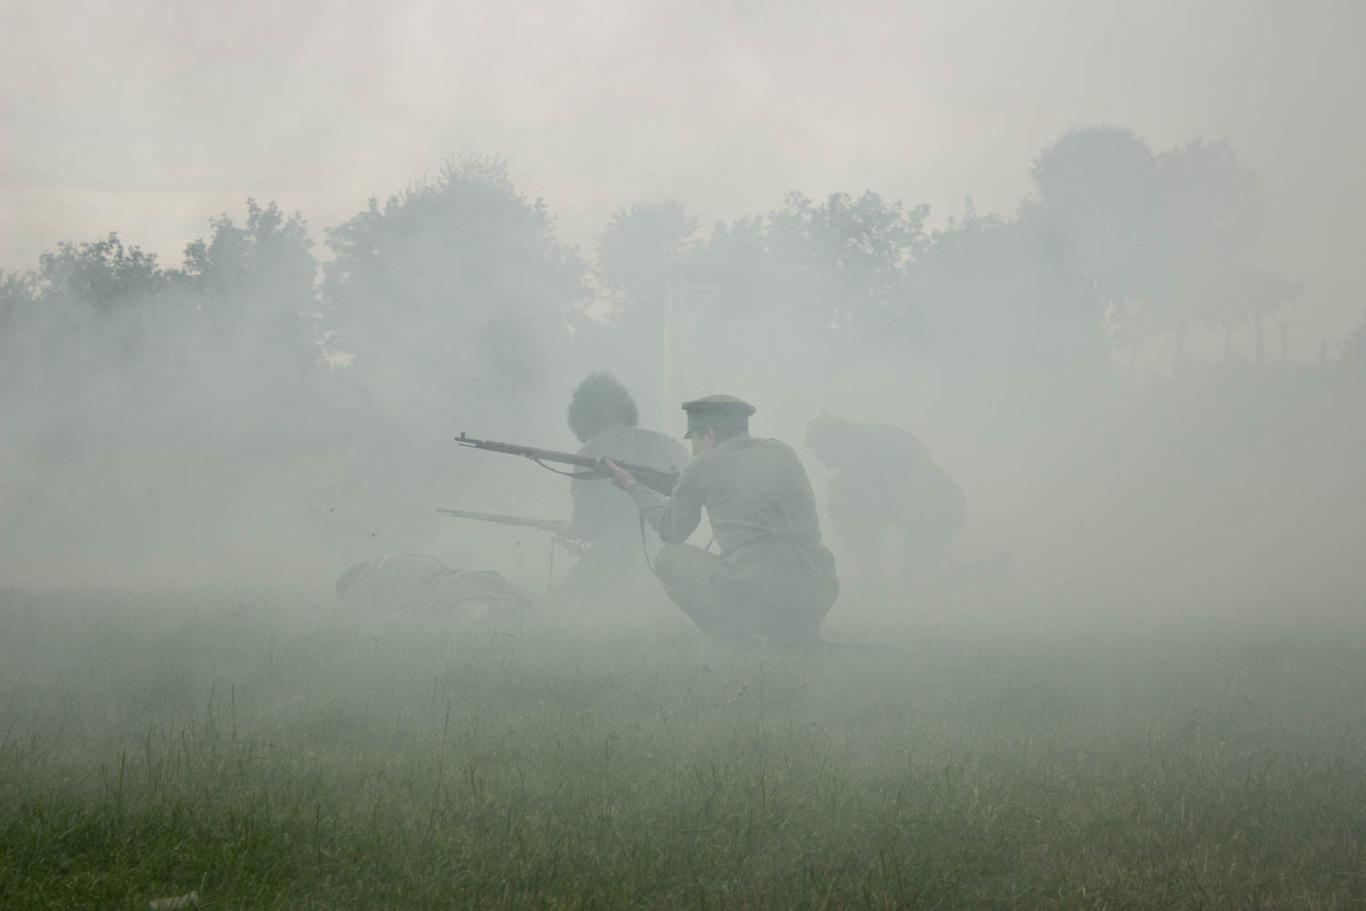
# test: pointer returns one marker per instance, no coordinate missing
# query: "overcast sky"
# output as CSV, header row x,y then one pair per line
x,y
149,117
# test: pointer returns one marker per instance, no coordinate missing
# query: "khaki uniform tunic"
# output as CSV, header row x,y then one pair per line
x,y
773,576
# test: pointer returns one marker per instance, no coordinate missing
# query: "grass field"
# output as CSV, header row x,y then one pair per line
x,y
268,754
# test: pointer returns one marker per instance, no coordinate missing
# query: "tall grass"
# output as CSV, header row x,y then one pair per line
x,y
268,753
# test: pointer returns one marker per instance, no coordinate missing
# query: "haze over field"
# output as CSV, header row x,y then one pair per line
x,y
148,117
1133,348
1058,305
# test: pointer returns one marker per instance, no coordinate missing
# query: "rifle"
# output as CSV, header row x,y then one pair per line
x,y
573,545
549,525
592,469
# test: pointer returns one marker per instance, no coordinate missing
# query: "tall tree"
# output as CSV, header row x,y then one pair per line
x,y
644,249
1139,243
101,276
1211,210
1093,218
97,301
455,288
847,260
254,284
17,295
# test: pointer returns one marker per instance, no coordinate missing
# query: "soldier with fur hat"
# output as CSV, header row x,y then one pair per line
x,y
604,418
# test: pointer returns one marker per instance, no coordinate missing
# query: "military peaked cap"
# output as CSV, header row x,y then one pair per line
x,y
718,411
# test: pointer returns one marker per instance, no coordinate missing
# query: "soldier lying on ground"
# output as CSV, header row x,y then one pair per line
x,y
773,578
418,585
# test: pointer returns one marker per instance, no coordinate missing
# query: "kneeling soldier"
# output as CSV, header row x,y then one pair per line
x,y
773,578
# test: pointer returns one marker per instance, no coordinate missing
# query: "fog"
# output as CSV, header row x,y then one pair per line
x,y
1058,306
1098,258
235,422
148,119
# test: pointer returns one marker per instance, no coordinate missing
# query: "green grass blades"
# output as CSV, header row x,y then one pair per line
x,y
265,753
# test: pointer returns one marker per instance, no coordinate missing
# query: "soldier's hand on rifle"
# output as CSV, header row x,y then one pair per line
x,y
620,476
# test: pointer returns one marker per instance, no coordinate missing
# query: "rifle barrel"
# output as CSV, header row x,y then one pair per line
x,y
549,525
594,468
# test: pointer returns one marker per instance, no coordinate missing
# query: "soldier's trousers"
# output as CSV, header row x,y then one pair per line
x,y
730,605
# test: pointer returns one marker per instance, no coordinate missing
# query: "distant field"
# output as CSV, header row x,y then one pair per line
x,y
273,755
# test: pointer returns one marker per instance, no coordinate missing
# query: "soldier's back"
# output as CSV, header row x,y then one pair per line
x,y
754,487
763,512
889,466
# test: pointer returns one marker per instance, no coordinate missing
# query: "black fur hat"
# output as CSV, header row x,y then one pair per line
x,y
598,403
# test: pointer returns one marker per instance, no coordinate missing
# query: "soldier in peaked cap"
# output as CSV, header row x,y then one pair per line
x,y
773,578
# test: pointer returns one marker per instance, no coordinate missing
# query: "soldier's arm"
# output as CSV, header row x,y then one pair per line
x,y
675,517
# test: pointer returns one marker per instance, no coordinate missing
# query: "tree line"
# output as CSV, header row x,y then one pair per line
x,y
266,392
458,285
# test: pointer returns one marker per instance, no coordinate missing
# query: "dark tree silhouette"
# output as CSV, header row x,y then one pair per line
x,y
269,256
847,260
456,287
101,276
646,261
17,295
643,249
1211,210
1093,218
253,284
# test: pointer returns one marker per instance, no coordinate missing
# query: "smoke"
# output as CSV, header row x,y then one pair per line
x,y
1126,347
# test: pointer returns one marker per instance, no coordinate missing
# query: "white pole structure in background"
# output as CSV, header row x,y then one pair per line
x,y
666,359
686,359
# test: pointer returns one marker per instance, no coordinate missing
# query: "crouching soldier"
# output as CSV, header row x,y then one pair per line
x,y
883,479
773,578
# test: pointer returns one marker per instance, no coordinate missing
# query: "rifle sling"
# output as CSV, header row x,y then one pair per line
x,y
575,475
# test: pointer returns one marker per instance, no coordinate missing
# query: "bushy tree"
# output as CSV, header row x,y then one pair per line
x,y
455,289
646,266
1211,211
643,249
847,260
269,256
821,282
1090,227
95,304
253,284
16,296
100,276
844,262
1142,243
18,304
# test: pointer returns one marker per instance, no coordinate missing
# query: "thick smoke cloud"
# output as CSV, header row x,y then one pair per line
x,y
256,416
1131,345
145,119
